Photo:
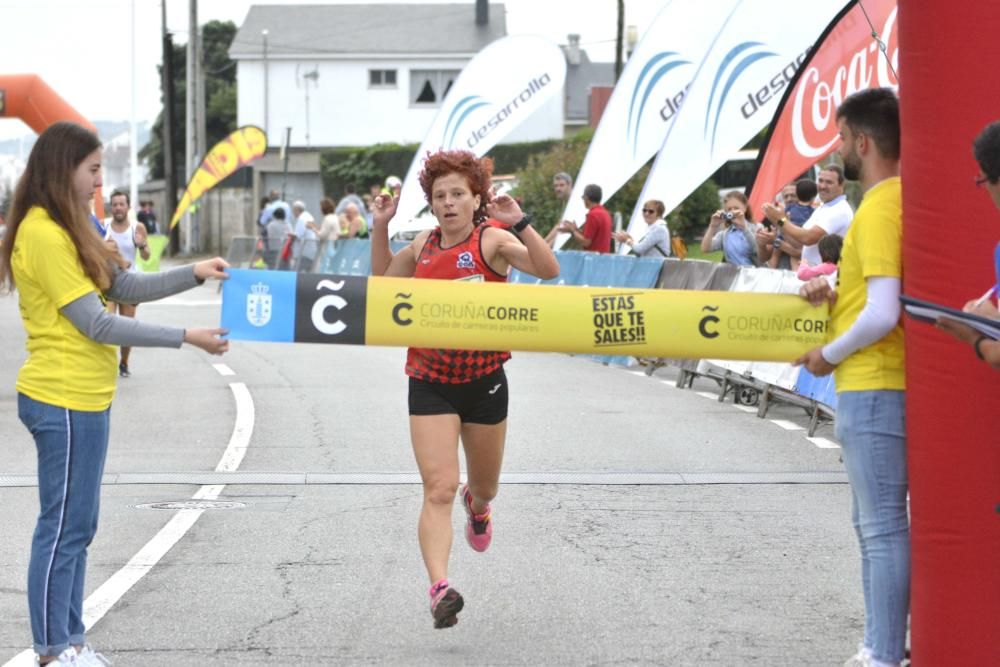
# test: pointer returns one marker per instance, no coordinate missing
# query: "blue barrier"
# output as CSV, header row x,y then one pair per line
x,y
352,257
822,390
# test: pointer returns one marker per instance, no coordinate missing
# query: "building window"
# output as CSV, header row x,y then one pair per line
x,y
429,87
381,78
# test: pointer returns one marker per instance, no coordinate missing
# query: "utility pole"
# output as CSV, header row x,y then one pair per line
x,y
191,109
619,39
263,34
284,160
200,135
169,123
133,134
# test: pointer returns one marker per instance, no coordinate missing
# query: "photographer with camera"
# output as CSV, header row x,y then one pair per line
x,y
733,231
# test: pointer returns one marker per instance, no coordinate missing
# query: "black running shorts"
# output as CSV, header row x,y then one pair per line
x,y
482,401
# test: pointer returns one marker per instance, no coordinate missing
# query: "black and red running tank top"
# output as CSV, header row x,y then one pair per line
x,y
463,261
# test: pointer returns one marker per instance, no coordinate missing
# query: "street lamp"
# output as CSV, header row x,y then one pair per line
x,y
263,34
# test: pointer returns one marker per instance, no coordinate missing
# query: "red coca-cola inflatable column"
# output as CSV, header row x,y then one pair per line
x,y
949,89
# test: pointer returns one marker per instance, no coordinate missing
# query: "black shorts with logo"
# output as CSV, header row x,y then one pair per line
x,y
482,401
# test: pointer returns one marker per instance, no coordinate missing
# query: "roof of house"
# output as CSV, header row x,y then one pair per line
x,y
579,79
324,30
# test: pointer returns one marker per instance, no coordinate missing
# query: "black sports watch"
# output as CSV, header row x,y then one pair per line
x,y
524,222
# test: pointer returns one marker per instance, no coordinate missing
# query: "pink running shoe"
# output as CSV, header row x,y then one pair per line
x,y
479,527
446,602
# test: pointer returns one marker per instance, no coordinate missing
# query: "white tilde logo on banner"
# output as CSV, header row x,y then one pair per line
x,y
259,305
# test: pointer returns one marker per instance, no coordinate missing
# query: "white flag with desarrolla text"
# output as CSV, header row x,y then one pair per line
x,y
752,59
646,98
502,86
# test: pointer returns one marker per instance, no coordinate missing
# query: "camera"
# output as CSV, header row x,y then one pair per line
x,y
727,216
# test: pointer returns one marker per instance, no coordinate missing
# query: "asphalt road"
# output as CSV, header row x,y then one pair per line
x,y
638,523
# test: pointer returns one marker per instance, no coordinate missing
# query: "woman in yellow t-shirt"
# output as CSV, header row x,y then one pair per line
x,y
63,272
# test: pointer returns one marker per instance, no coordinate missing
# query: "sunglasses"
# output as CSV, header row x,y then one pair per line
x,y
979,180
648,210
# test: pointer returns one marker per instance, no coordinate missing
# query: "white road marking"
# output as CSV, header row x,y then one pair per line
x,y
107,594
223,369
705,394
787,425
823,443
746,408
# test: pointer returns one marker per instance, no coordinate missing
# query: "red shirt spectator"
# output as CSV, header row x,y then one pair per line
x,y
596,234
597,229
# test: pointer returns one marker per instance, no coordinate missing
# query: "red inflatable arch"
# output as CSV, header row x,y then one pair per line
x,y
27,97
948,91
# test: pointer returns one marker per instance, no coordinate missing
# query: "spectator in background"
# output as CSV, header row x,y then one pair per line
x,y
832,217
329,227
733,231
656,241
866,356
562,187
278,230
147,217
352,223
274,201
350,197
596,233
787,252
829,252
393,186
986,149
788,195
304,243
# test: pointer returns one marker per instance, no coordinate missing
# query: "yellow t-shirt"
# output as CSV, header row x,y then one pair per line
x,y
64,367
872,247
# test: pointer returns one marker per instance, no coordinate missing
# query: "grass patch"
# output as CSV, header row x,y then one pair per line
x,y
694,252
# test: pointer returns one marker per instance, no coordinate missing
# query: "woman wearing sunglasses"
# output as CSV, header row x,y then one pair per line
x,y
656,241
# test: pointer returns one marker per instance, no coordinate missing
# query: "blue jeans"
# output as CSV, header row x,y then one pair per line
x,y
871,430
72,446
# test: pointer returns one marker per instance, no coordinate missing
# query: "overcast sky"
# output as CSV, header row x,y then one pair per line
x,y
81,47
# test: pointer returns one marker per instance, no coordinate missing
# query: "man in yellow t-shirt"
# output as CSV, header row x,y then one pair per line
x,y
865,354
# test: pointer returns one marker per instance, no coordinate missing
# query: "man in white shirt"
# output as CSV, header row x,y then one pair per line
x,y
832,217
304,245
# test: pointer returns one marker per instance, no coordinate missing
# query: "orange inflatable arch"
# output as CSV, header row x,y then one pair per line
x,y
27,97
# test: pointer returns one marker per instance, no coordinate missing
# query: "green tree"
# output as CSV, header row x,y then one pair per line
x,y
534,181
220,96
690,219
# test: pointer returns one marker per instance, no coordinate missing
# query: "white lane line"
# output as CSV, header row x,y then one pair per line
x,y
745,408
242,430
107,594
787,425
705,394
223,369
639,373
823,443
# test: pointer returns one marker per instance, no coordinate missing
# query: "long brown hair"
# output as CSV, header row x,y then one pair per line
x,y
47,182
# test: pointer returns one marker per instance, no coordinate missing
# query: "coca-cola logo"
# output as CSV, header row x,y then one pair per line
x,y
814,112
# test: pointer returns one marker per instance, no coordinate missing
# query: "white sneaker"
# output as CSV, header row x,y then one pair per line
x,y
90,658
860,659
67,657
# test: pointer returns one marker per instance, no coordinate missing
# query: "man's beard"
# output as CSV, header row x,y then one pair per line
x,y
121,218
852,168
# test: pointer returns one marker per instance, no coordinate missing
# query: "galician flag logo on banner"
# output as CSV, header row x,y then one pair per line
x,y
646,99
498,89
734,94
